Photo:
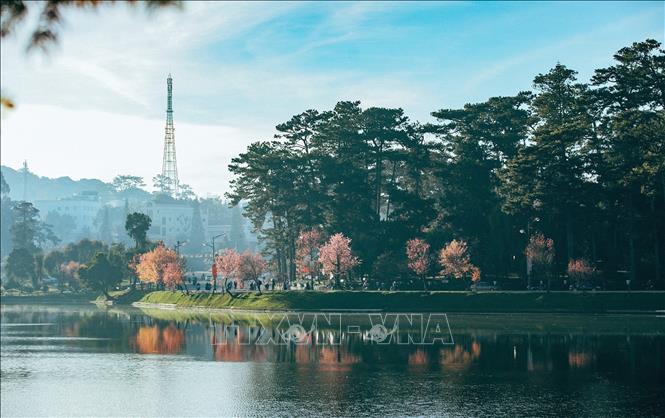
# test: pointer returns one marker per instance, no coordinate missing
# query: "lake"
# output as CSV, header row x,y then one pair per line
x,y
65,360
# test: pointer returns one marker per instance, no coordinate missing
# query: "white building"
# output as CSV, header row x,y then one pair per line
x,y
82,207
171,220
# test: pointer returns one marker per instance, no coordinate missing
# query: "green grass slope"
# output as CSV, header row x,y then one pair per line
x,y
419,301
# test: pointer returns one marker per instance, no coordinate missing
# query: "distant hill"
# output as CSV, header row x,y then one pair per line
x,y
46,188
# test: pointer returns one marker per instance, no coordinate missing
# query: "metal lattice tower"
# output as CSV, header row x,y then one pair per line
x,y
169,164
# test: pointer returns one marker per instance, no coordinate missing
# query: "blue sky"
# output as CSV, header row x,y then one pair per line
x,y
241,68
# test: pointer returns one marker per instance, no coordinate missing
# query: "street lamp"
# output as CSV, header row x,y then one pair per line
x,y
213,253
177,246
213,244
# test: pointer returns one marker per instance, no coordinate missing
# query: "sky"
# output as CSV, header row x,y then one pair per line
x,y
94,105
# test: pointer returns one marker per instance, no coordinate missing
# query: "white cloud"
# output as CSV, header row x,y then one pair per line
x,y
239,69
92,144
106,78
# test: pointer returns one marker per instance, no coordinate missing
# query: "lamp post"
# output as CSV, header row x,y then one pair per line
x,y
212,245
177,246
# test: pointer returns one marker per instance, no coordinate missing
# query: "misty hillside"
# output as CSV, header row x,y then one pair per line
x,y
44,188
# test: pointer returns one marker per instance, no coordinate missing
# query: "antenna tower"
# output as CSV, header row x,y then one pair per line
x,y
169,164
25,172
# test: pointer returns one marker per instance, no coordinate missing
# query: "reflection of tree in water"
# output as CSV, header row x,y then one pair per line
x,y
459,357
418,358
102,329
336,358
230,343
577,359
153,340
235,340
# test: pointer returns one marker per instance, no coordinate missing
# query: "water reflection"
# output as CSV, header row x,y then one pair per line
x,y
237,339
495,362
156,340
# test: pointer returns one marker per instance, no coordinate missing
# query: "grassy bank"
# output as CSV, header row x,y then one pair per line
x,y
592,302
48,297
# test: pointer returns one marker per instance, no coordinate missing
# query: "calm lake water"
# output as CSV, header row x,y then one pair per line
x,y
84,360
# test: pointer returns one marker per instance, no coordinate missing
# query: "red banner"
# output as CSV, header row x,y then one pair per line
x,y
214,271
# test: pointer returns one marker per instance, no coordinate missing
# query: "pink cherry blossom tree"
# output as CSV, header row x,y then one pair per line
x,y
456,262
580,269
228,265
540,256
307,253
252,266
419,259
336,256
172,275
153,265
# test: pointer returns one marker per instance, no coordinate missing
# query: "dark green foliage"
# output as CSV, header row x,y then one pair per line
x,y
583,164
83,251
122,183
137,226
21,268
28,231
349,170
101,273
6,219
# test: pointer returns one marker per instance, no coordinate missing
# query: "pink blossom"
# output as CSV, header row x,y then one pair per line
x,y
336,256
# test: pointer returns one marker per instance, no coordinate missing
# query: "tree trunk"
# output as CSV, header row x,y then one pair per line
x,y
392,183
656,244
570,242
226,289
424,282
378,168
631,253
631,239
594,246
292,259
662,180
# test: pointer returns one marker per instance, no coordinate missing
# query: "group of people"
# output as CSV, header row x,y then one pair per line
x,y
193,283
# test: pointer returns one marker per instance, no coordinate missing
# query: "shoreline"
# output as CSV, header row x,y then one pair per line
x,y
522,302
651,303
231,310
